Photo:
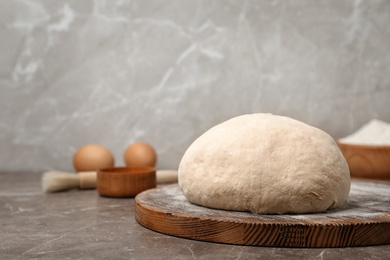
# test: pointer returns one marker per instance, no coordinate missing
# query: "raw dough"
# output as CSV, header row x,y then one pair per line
x,y
267,164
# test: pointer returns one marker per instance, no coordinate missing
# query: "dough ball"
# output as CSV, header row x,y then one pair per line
x,y
266,164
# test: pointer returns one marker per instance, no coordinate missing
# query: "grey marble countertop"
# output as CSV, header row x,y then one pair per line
x,y
82,225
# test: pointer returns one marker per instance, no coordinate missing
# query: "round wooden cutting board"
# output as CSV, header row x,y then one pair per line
x,y
363,220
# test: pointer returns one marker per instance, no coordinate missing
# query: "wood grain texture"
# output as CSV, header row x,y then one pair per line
x,y
122,182
365,161
364,220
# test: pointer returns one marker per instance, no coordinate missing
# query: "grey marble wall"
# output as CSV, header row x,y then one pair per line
x,y
113,72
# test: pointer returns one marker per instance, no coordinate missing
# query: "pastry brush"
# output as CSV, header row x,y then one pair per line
x,y
54,181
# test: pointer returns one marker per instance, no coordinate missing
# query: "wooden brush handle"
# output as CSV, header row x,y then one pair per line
x,y
87,180
166,176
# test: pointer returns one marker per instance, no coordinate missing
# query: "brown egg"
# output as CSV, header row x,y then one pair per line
x,y
92,157
140,154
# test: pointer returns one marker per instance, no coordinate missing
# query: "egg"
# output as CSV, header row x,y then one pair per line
x,y
92,157
140,154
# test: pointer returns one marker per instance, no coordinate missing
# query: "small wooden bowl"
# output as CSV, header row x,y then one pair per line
x,y
367,161
125,182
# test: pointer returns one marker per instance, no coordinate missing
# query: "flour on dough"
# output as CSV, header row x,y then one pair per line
x,y
266,164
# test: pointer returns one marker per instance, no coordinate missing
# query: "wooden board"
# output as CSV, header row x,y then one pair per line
x,y
363,220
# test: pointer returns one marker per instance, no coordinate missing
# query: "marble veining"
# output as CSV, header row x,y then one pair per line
x,y
79,224
113,72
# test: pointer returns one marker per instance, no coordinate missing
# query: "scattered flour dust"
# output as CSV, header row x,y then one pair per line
x,y
375,132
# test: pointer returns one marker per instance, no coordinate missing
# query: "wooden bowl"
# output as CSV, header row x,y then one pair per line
x,y
122,182
367,161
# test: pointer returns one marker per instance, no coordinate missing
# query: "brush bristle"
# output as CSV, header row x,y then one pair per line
x,y
54,181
